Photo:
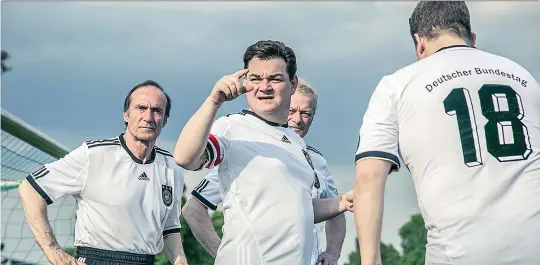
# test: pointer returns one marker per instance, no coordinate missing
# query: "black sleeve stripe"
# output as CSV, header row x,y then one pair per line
x,y
203,200
314,150
39,171
101,141
41,174
161,149
203,186
200,184
39,190
379,154
171,231
103,144
163,153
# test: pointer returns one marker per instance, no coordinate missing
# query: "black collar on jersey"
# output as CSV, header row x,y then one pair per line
x,y
133,157
245,111
454,46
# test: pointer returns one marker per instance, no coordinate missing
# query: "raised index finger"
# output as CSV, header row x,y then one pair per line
x,y
240,73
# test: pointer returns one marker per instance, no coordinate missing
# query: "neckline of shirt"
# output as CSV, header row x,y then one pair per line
x,y
245,111
454,46
133,157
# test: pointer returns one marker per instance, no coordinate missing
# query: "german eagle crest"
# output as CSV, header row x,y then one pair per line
x,y
167,194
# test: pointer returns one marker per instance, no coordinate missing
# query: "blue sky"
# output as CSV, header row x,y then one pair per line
x,y
73,64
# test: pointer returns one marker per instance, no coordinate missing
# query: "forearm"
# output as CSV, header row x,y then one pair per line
x,y
200,223
189,150
173,248
35,211
335,234
324,209
368,213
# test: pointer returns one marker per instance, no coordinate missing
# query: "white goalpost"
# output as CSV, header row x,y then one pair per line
x,y
24,150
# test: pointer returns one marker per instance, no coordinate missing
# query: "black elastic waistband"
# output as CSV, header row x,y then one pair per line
x,y
115,256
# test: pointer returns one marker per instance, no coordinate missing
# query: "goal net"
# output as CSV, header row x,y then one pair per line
x,y
24,150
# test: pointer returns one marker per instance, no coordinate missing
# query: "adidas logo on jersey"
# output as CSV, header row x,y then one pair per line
x,y
285,139
143,176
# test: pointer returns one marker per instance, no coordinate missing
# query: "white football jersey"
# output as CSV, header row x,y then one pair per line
x,y
467,125
267,176
210,193
123,203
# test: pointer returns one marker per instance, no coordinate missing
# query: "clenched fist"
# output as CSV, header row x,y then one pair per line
x,y
229,88
347,203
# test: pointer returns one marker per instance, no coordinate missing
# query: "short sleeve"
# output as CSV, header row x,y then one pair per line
x,y
66,176
207,192
172,223
218,142
379,130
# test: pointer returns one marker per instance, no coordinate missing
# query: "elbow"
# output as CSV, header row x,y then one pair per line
x,y
180,160
179,157
23,190
369,180
184,162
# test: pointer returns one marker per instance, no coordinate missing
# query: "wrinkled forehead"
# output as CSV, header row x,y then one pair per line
x,y
149,95
300,101
266,68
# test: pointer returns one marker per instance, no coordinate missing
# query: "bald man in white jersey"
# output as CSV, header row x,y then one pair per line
x,y
466,123
263,165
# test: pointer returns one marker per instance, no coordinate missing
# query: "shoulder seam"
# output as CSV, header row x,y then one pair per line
x,y
101,140
311,148
235,113
104,142
163,152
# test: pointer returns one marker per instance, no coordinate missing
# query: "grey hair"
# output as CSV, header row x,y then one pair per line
x,y
306,89
432,18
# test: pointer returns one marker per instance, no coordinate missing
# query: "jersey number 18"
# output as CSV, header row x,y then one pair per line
x,y
506,136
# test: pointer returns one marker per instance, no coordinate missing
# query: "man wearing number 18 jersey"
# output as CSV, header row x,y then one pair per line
x,y
466,123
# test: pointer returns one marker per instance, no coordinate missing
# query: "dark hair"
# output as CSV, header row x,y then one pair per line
x,y
127,101
431,18
269,49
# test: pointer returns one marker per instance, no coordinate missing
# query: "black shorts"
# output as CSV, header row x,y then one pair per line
x,y
93,256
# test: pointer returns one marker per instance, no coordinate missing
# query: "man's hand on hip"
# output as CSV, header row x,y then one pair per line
x,y
60,257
